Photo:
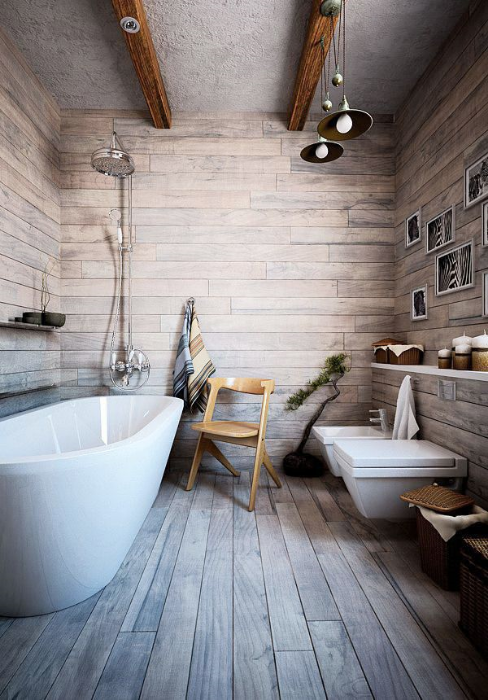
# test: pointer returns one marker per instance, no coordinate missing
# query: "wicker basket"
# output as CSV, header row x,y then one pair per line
x,y
381,356
381,351
412,356
474,591
439,499
439,559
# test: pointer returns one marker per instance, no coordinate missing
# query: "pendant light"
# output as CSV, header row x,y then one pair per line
x,y
323,150
345,123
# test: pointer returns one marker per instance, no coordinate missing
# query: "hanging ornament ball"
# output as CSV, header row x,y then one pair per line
x,y
337,80
330,8
327,105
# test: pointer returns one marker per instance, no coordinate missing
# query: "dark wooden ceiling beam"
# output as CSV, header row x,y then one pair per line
x,y
310,66
143,54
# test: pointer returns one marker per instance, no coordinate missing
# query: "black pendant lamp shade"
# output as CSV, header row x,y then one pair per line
x,y
335,127
309,153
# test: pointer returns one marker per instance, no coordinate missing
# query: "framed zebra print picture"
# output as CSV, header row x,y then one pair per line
x,y
476,182
484,224
440,230
485,293
454,270
413,229
419,304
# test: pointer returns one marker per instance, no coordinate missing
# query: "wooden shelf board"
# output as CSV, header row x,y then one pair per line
x,y
27,326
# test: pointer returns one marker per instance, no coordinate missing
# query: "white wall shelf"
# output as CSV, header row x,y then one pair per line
x,y
431,369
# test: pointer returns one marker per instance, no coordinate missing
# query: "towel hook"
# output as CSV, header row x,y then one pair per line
x,y
191,300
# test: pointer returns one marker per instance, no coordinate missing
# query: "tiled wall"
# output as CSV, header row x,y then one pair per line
x,y
287,263
29,231
442,128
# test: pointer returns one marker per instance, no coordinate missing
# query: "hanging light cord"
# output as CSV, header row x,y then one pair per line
x,y
337,47
322,48
343,16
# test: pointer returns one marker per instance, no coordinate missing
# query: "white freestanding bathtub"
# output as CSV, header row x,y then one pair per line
x,y
77,480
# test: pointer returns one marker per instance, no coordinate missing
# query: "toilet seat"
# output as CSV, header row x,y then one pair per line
x,y
383,458
377,472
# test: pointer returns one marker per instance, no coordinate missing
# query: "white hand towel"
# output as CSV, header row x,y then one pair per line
x,y
405,426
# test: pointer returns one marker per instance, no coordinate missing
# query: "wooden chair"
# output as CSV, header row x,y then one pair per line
x,y
247,434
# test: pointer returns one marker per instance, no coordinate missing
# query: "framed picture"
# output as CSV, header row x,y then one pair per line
x,y
454,270
419,304
484,224
476,182
485,293
413,229
439,231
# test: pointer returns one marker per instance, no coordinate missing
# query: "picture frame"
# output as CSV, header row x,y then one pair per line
x,y
485,293
484,224
476,182
413,229
440,230
419,303
454,269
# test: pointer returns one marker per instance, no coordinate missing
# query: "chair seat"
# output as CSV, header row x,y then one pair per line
x,y
227,428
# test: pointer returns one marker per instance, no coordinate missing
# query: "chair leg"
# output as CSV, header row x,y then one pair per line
x,y
271,469
255,477
201,447
215,452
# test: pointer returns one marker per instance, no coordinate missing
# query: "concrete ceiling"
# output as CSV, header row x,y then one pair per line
x,y
225,55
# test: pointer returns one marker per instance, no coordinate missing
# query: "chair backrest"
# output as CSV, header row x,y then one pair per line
x,y
244,385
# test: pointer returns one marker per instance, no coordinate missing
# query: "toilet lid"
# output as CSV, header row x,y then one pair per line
x,y
394,453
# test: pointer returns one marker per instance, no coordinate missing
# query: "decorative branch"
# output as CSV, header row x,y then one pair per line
x,y
333,370
45,294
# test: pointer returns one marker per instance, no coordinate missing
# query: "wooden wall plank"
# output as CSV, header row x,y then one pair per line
x,y
435,143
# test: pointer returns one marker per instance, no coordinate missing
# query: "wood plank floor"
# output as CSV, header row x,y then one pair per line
x,y
302,599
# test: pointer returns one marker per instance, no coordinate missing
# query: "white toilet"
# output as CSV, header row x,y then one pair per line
x,y
377,472
327,436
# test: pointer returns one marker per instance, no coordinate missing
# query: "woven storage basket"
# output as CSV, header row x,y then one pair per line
x,y
412,356
381,355
439,559
439,499
474,591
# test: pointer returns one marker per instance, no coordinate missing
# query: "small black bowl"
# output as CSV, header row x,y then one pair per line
x,y
34,317
53,319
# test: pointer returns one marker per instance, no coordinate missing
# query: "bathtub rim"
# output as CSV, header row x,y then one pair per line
x,y
8,465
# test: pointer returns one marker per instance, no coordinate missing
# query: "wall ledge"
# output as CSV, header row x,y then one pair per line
x,y
431,369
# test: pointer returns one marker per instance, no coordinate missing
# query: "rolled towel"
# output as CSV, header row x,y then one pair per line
x,y
448,525
405,426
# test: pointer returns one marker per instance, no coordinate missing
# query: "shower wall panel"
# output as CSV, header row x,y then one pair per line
x,y
29,232
289,262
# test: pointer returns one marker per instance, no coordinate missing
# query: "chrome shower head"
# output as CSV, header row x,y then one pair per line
x,y
113,160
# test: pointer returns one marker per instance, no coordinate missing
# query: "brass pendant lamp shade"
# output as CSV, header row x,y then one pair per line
x,y
334,151
335,127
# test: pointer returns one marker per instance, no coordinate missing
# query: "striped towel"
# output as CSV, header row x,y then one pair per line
x,y
193,364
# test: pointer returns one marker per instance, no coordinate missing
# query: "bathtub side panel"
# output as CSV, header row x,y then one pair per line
x,y
64,532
